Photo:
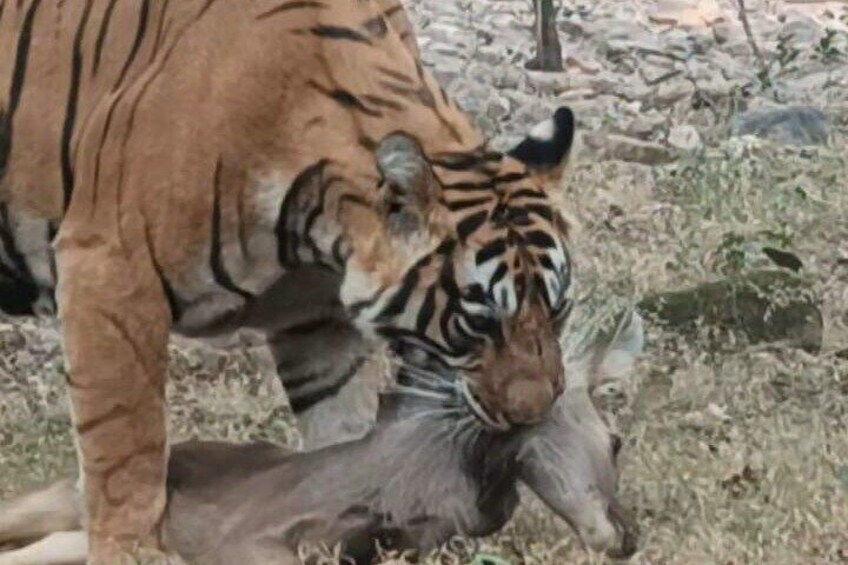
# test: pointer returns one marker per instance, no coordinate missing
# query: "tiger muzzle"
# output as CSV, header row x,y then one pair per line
x,y
528,401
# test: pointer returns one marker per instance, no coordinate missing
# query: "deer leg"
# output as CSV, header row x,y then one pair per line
x,y
38,514
115,320
58,548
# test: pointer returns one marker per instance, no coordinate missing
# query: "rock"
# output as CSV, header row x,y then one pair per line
x,y
762,307
549,82
726,30
803,31
684,138
623,148
447,70
509,78
669,93
645,124
686,13
584,65
497,108
791,125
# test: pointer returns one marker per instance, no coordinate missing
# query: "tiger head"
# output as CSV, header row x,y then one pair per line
x,y
479,311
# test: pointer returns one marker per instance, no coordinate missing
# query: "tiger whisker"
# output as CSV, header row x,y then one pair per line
x,y
436,412
437,384
428,374
422,393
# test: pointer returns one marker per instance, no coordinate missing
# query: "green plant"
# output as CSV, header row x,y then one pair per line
x,y
826,48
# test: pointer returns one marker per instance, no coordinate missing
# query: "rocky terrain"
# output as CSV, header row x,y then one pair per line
x,y
697,154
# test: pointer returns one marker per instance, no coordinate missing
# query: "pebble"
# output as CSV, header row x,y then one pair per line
x,y
619,54
684,138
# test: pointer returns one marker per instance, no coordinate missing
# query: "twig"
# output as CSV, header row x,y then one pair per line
x,y
743,17
666,77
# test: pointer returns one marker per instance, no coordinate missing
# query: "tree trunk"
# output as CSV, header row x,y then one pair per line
x,y
548,48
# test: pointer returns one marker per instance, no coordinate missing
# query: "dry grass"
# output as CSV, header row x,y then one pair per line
x,y
733,457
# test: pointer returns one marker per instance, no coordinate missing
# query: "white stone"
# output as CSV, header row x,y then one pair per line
x,y
684,137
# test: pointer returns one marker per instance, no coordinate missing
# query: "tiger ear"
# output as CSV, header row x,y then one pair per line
x,y
411,189
547,147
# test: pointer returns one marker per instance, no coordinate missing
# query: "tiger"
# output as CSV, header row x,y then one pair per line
x,y
201,167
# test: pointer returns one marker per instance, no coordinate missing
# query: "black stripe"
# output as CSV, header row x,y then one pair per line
x,y
369,144
393,10
288,240
101,36
444,94
11,247
356,308
71,107
52,230
510,178
498,276
538,238
346,99
541,288
419,95
204,9
490,251
339,33
400,335
140,31
171,297
384,102
309,327
397,304
291,6
160,30
547,263
469,186
106,127
472,223
340,251
460,205
299,403
398,76
528,193
216,261
7,116
174,302
543,211
464,162
427,311
314,214
356,200
147,83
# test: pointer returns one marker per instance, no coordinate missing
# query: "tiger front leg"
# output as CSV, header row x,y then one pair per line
x,y
115,320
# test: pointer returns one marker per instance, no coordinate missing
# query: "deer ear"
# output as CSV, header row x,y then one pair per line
x,y
547,147
617,359
605,358
411,189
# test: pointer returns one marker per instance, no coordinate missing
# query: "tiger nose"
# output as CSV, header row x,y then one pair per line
x,y
528,401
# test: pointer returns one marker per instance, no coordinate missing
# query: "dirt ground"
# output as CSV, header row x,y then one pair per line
x,y
736,454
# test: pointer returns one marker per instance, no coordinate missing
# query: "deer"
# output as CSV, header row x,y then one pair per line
x,y
424,473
